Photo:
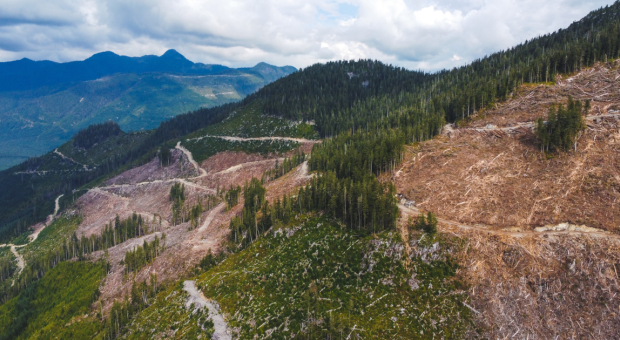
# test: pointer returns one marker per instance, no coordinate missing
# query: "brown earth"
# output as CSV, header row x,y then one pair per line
x,y
522,284
145,190
599,84
529,285
490,186
499,178
180,167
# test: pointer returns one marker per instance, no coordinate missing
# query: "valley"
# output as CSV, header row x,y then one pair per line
x,y
47,111
348,200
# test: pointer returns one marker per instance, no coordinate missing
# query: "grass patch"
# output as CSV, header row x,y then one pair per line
x,y
52,237
168,317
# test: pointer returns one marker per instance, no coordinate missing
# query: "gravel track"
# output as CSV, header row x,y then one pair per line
x,y
200,301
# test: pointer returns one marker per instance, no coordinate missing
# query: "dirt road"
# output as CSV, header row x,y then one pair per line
x,y
211,216
49,220
70,159
200,301
413,212
189,156
21,263
241,139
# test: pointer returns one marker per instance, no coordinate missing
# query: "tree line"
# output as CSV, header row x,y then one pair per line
x,y
354,95
287,165
321,91
121,313
74,247
563,126
96,133
143,255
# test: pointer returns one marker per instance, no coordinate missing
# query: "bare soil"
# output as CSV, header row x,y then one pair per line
x,y
499,178
179,168
145,191
599,84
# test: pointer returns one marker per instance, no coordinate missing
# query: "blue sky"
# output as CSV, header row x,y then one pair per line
x,y
421,34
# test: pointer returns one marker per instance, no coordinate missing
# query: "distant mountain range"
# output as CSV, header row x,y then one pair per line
x,y
43,103
26,74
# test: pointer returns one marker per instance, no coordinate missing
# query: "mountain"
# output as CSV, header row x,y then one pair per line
x,y
42,103
350,199
26,74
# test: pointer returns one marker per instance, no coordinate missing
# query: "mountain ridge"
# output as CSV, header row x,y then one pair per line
x,y
27,74
43,103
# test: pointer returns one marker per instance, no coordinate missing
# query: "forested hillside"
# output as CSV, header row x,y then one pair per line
x,y
370,96
326,93
295,236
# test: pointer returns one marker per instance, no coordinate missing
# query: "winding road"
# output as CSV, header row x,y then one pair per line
x,y
21,263
190,157
70,159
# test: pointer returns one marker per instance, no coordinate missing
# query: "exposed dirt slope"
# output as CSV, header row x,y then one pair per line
x,y
600,84
145,190
491,187
499,178
180,167
533,285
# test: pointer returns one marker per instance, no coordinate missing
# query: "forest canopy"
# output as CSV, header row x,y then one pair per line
x,y
96,133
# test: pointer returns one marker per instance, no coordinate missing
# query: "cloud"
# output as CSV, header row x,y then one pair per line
x,y
417,34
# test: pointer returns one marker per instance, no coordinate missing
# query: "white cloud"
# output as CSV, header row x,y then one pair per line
x,y
423,34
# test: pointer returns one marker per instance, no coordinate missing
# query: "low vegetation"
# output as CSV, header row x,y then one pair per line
x,y
123,312
248,121
167,317
319,280
313,279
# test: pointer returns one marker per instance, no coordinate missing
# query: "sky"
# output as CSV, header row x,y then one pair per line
x,y
415,34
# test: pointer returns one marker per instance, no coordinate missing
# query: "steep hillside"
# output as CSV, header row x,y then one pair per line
x,y
491,171
316,279
238,222
41,107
